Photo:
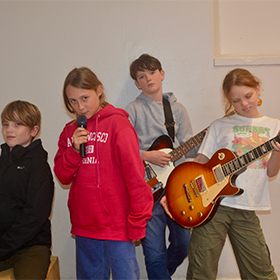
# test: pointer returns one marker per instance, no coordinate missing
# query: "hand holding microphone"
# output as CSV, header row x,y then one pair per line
x,y
82,122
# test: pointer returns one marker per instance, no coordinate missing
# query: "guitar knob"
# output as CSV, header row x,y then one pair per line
x,y
191,207
190,219
183,213
199,214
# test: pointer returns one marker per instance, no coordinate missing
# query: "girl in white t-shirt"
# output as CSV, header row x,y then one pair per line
x,y
235,216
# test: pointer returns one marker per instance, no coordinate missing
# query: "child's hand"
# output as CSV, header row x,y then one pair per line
x,y
156,157
163,203
137,242
276,146
79,137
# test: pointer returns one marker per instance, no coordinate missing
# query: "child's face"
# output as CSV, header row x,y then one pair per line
x,y
17,134
84,101
245,100
150,81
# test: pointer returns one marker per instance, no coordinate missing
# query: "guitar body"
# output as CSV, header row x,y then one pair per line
x,y
193,191
163,173
162,142
158,181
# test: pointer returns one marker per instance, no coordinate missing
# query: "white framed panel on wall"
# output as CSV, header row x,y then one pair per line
x,y
245,32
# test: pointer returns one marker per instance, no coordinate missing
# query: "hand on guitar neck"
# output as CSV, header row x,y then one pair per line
x,y
156,157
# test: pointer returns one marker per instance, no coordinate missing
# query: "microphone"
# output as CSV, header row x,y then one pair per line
x,y
82,122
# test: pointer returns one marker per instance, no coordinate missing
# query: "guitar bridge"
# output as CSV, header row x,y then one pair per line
x,y
156,187
187,193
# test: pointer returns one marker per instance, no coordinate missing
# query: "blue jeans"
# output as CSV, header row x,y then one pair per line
x,y
95,257
161,262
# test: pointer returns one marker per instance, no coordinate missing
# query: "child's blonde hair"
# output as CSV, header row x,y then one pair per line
x,y
82,78
237,77
22,112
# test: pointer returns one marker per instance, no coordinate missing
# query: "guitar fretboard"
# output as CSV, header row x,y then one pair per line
x,y
249,157
187,146
183,149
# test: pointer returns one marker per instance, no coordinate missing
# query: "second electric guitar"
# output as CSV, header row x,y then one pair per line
x,y
194,190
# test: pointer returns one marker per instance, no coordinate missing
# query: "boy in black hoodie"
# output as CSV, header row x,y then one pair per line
x,y
26,194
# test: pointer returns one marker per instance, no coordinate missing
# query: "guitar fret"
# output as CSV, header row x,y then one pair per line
x,y
256,153
240,165
273,141
251,153
242,161
236,165
269,146
259,150
226,170
264,148
231,166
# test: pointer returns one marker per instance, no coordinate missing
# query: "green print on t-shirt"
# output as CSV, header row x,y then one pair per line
x,y
248,137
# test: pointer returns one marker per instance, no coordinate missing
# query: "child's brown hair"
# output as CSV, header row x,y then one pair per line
x,y
144,62
82,78
22,112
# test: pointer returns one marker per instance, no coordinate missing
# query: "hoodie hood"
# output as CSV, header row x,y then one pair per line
x,y
169,96
107,112
19,152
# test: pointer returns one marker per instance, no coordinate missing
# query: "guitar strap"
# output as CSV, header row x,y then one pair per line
x,y
169,121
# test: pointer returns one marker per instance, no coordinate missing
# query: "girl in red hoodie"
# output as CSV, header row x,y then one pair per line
x,y
109,200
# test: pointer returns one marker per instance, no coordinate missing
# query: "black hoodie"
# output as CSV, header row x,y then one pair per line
x,y
26,195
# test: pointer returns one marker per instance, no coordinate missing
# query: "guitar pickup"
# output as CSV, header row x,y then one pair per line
x,y
149,173
201,184
218,173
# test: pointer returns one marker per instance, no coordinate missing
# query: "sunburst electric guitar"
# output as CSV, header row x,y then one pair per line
x,y
194,190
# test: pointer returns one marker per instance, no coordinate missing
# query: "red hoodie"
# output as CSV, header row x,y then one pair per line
x,y
109,198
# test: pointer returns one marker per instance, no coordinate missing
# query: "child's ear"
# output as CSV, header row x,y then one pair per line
x,y
259,90
137,84
34,131
162,75
99,90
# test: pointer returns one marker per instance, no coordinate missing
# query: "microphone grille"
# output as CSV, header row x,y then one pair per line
x,y
82,121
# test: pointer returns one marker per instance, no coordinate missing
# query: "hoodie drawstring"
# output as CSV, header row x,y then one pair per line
x,y
96,152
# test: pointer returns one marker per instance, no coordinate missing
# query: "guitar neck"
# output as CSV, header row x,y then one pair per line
x,y
249,157
183,149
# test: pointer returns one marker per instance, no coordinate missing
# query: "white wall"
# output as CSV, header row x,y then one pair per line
x,y
243,27
41,41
